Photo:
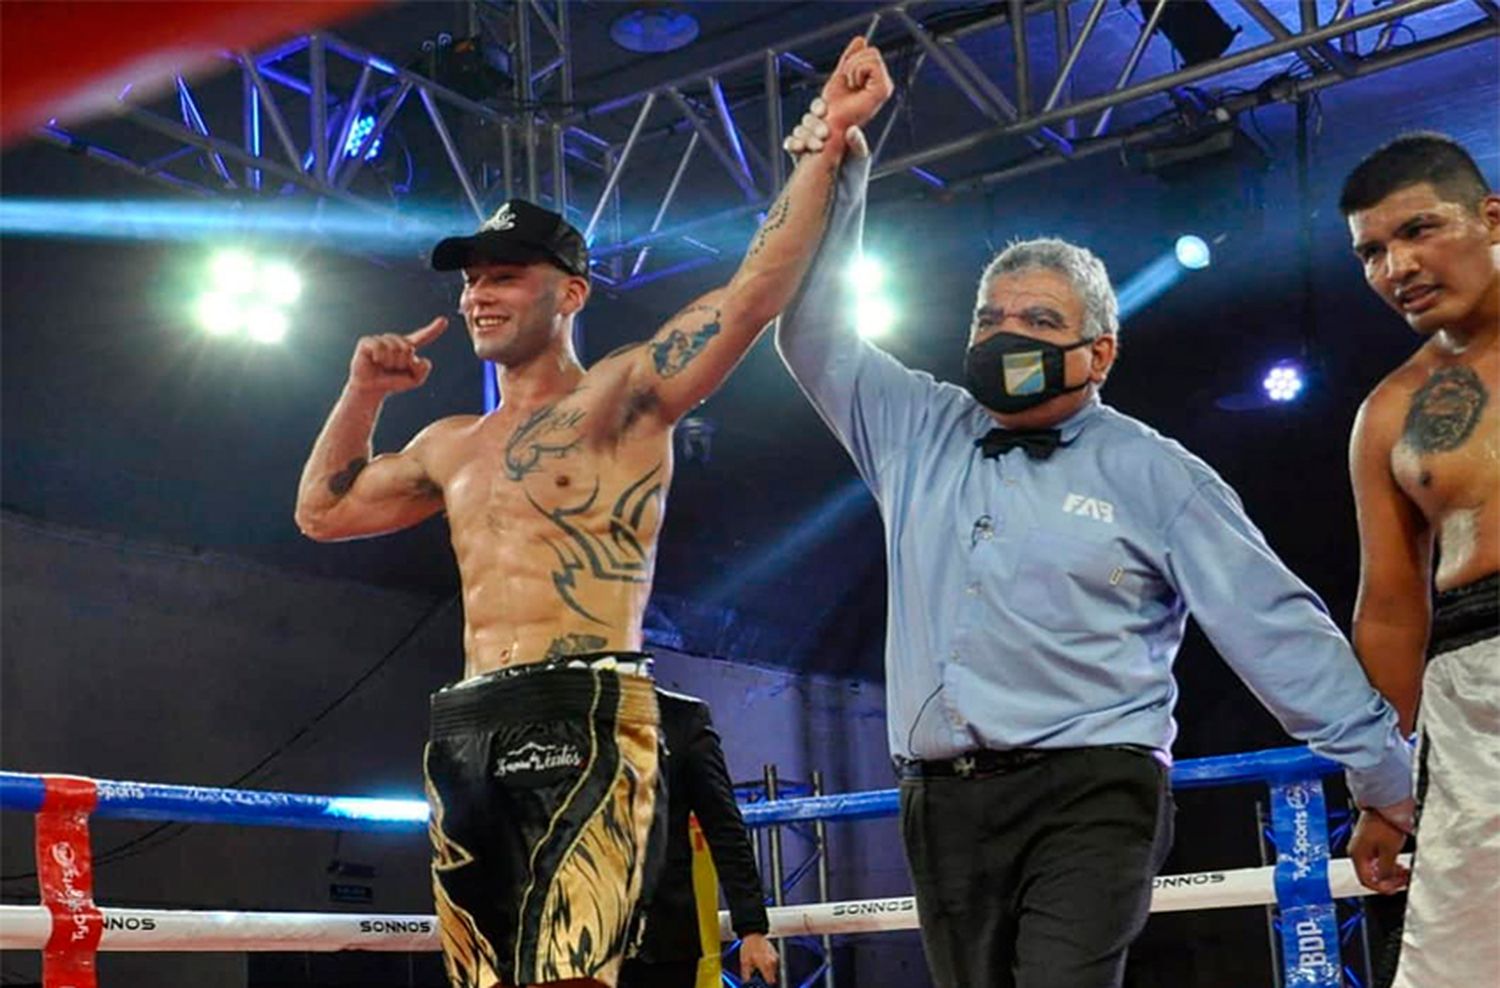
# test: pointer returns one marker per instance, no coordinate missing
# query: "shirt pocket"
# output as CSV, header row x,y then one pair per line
x,y
1062,581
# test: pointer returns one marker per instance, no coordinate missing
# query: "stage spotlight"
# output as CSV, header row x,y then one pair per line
x,y
218,313
865,273
874,316
1283,383
233,271
357,135
1194,28
1193,252
651,29
266,324
247,296
279,283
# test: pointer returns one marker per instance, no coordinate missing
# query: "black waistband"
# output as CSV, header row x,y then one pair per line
x,y
561,689
1465,615
992,761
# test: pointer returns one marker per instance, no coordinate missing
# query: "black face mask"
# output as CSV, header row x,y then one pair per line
x,y
1010,373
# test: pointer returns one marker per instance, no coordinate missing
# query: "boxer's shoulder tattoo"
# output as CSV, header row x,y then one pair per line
x,y
684,338
547,432
342,483
1444,410
621,554
574,644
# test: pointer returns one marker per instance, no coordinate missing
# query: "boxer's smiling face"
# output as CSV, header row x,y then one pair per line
x,y
514,311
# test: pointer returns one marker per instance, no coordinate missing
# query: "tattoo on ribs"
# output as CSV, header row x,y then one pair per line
x,y
1445,410
343,481
574,645
548,431
618,557
677,350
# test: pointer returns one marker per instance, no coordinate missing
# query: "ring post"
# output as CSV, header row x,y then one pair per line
x,y
1309,925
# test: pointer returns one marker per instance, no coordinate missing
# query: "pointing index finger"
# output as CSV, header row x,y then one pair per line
x,y
428,333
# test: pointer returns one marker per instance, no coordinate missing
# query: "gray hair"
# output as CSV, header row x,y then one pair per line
x,y
1084,271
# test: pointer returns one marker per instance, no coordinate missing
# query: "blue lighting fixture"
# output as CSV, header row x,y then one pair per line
x,y
652,29
1284,382
1193,252
1190,253
357,135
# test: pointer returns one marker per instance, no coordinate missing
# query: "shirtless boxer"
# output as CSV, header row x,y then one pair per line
x,y
542,767
1425,462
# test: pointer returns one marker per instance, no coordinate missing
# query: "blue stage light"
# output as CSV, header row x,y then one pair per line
x,y
1148,284
654,29
357,135
1284,382
1193,252
294,222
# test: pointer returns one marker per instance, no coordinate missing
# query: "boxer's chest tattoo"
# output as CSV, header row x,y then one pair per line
x,y
1444,411
591,549
549,432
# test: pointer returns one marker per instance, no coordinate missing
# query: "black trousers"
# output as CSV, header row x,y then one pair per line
x,y
1039,876
664,974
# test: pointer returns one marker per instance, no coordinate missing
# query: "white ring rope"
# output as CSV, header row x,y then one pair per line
x,y
28,927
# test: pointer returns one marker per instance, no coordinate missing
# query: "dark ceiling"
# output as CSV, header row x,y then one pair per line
x,y
119,418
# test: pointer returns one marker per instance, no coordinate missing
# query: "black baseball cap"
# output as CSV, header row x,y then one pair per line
x,y
520,232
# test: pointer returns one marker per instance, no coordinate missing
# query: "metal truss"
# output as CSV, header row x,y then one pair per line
x,y
984,93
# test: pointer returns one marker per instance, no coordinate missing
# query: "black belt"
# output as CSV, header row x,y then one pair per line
x,y
1465,615
992,761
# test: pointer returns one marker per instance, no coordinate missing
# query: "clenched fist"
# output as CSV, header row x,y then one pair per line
x,y
853,94
858,87
389,364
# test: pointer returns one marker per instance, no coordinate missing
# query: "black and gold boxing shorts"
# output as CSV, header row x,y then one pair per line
x,y
544,783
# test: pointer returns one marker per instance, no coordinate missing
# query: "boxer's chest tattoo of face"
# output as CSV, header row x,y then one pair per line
x,y
1444,411
549,432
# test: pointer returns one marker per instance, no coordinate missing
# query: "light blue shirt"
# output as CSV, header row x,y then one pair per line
x,y
1041,603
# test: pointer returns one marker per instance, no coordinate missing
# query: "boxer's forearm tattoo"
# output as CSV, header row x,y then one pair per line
x,y
622,555
548,431
1445,410
775,219
574,645
677,348
342,482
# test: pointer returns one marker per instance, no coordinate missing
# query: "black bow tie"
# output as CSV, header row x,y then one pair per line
x,y
1039,444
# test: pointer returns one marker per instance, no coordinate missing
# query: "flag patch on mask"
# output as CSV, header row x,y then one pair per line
x,y
1023,373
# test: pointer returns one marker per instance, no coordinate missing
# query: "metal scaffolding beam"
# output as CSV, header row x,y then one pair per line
x,y
985,95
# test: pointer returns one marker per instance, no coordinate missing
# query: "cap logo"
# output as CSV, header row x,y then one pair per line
x,y
503,219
